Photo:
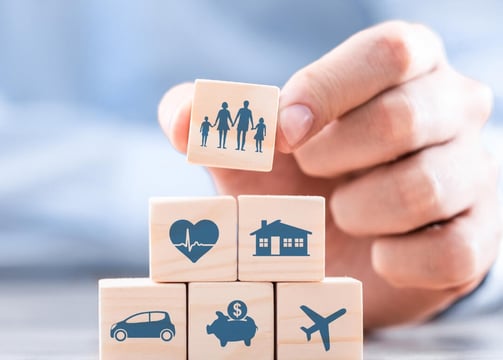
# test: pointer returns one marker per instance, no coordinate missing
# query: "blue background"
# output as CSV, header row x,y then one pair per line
x,y
80,148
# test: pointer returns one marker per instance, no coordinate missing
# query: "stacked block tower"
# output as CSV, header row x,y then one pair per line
x,y
233,278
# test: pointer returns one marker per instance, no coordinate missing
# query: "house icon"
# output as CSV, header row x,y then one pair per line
x,y
279,239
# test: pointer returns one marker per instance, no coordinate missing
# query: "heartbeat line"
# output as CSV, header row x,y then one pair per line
x,y
187,244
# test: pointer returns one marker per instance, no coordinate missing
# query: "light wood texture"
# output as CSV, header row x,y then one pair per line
x,y
121,298
205,299
325,298
170,263
45,315
273,216
208,99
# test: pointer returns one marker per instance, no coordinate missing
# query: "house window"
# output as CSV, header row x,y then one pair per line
x,y
287,242
299,242
262,242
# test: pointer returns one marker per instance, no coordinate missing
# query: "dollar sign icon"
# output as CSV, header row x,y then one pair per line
x,y
237,309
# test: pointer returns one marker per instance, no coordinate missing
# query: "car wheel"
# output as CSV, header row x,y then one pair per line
x,y
120,335
166,335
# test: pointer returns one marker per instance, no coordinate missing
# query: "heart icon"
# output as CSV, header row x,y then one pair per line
x,y
193,240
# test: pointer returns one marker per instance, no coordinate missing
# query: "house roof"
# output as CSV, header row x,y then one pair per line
x,y
277,227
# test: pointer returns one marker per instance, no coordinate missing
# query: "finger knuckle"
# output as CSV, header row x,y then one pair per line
x,y
397,120
454,260
419,189
493,168
393,47
339,203
484,100
479,98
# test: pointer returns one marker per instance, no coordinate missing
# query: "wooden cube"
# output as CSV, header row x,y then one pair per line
x,y
281,238
319,320
232,320
193,239
233,125
140,319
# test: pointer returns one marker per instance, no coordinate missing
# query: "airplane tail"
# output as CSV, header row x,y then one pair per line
x,y
308,334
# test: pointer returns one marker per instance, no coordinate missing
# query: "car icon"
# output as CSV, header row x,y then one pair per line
x,y
147,324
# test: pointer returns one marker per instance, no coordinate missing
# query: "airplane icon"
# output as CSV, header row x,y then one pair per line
x,y
320,324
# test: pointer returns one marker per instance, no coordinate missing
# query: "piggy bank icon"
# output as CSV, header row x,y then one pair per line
x,y
235,326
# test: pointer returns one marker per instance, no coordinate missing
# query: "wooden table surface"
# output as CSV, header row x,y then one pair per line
x,y
57,319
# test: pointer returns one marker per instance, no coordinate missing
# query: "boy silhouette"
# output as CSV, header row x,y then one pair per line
x,y
204,130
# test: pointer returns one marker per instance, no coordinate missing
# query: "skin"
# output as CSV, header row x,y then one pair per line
x,y
389,133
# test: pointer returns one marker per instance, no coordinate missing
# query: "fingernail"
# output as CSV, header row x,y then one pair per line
x,y
295,122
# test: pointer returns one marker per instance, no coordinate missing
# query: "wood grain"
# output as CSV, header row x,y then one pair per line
x,y
205,299
325,298
304,212
208,98
168,264
121,298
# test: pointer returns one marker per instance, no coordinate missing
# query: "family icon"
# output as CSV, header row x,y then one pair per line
x,y
244,121
226,118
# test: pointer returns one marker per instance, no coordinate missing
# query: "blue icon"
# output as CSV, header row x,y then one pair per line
x,y
259,134
279,239
235,326
320,324
243,119
193,240
204,130
223,118
223,123
147,324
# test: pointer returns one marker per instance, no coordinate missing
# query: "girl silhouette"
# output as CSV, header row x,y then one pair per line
x,y
259,135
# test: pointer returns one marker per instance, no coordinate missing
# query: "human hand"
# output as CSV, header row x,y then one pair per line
x,y
388,132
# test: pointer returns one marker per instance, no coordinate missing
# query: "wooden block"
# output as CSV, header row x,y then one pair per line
x,y
319,320
193,239
140,319
232,320
281,238
233,125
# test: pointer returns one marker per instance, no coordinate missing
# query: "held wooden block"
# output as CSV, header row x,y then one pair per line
x,y
319,320
281,238
232,320
233,125
140,319
193,239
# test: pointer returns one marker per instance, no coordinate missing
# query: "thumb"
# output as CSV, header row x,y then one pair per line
x,y
174,115
366,64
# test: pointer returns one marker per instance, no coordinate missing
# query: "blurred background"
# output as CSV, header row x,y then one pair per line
x,y
80,148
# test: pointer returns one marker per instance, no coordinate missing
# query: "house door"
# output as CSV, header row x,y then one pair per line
x,y
275,241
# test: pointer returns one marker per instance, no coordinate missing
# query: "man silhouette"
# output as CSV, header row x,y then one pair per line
x,y
244,116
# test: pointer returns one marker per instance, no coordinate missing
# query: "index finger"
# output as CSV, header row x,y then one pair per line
x,y
366,64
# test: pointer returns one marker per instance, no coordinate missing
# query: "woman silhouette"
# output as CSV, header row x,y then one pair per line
x,y
223,126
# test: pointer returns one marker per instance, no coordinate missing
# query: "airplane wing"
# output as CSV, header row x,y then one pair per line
x,y
325,336
313,315
336,315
